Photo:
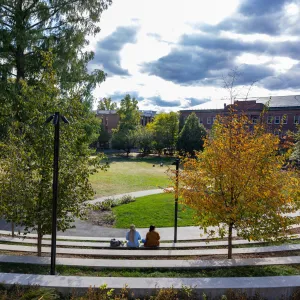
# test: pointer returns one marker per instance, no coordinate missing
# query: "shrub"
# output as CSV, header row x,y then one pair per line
x,y
126,199
17,292
109,219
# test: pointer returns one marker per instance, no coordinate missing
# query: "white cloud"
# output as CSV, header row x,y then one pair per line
x,y
161,24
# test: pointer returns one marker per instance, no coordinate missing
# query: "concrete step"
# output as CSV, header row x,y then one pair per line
x,y
152,252
161,264
107,245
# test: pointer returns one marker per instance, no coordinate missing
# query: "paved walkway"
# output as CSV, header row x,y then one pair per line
x,y
133,194
83,228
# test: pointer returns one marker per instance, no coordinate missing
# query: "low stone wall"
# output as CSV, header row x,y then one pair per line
x,y
269,287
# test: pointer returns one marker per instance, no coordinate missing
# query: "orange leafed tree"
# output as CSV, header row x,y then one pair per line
x,y
237,182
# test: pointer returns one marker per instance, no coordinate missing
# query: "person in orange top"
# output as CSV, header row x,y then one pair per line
x,y
152,238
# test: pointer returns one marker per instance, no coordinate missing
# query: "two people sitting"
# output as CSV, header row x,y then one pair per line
x,y
133,237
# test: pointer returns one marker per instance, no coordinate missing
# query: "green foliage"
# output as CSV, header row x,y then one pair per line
x,y
191,136
109,219
126,199
129,114
106,104
296,151
27,29
144,138
124,137
165,130
108,203
27,158
104,136
104,293
17,292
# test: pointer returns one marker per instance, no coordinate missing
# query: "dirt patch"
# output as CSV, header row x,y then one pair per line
x,y
101,218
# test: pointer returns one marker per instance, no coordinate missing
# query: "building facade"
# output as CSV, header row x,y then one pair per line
x,y
282,113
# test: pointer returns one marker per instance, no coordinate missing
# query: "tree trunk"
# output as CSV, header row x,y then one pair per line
x,y
230,241
12,229
20,46
39,242
20,63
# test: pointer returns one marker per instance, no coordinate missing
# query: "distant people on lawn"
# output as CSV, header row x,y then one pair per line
x,y
152,238
133,237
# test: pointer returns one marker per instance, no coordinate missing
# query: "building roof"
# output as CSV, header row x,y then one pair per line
x,y
275,101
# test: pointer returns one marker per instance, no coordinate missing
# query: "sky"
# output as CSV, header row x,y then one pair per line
x,y
172,55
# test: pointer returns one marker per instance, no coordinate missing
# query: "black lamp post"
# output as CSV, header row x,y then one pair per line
x,y
176,200
56,118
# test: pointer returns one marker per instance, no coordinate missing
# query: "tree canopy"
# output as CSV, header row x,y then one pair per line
x,y
237,182
27,28
192,135
124,136
107,104
27,158
165,130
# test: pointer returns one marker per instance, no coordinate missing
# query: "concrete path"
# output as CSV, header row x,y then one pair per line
x,y
150,253
107,245
83,228
269,288
132,194
160,264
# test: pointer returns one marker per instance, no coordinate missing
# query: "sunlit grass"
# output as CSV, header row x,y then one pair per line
x,y
157,210
130,175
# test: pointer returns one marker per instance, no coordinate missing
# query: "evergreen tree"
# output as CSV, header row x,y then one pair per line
x,y
61,26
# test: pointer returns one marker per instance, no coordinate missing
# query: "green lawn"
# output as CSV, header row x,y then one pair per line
x,y
155,209
131,174
255,271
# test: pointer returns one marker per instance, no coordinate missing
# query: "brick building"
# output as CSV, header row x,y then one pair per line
x,y
283,112
110,118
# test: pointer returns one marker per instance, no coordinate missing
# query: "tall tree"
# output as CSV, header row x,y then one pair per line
x,y
125,140
237,182
27,158
129,113
192,135
107,104
165,129
144,138
31,26
124,136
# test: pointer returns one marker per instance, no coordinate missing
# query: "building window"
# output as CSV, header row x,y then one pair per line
x,y
284,119
277,120
214,119
209,120
200,120
296,119
270,120
254,119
